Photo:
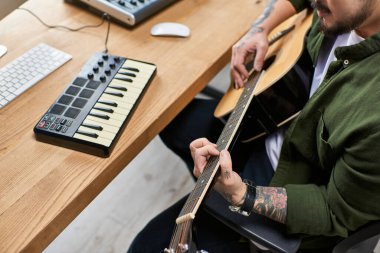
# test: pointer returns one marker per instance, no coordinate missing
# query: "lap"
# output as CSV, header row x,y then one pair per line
x,y
195,121
211,235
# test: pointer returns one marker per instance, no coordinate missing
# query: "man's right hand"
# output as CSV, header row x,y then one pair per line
x,y
254,42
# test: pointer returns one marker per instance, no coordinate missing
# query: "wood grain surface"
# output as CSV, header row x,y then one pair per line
x,y
44,187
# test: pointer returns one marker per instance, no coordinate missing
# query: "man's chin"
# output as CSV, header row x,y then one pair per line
x,y
331,30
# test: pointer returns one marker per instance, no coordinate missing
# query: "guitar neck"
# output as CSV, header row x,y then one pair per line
x,y
225,139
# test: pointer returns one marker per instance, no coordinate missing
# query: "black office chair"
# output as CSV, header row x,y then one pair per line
x,y
212,92
268,233
272,235
369,234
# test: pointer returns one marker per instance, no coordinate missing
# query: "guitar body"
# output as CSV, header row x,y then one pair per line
x,y
283,88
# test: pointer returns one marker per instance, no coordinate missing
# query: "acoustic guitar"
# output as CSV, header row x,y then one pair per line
x,y
284,88
282,56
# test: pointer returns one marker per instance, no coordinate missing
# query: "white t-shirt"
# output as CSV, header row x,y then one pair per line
x,y
274,141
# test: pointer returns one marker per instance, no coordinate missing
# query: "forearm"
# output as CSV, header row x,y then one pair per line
x,y
271,202
267,201
274,13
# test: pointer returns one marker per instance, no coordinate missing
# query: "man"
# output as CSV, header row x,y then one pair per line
x,y
326,182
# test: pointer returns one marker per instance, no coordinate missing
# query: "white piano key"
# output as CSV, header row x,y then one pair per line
x,y
123,101
113,122
139,65
129,93
99,140
111,115
142,75
129,88
139,85
108,128
118,110
101,134
117,87
144,70
120,103
145,73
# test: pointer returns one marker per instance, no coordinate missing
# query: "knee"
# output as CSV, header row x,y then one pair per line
x,y
174,139
137,245
166,137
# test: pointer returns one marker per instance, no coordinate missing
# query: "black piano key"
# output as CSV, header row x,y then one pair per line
x,y
131,69
118,87
107,102
96,127
104,109
101,116
126,74
116,94
124,79
89,134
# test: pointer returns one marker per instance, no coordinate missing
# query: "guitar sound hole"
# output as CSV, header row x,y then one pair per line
x,y
268,62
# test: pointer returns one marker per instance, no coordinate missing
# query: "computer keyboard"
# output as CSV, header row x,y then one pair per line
x,y
26,70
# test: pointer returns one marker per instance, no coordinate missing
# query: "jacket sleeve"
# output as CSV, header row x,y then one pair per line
x,y
349,200
300,5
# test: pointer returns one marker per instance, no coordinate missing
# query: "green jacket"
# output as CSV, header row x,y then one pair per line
x,y
330,158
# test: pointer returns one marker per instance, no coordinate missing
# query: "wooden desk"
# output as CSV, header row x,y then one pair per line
x,y
44,187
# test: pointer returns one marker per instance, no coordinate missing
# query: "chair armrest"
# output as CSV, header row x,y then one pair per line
x,y
367,231
212,92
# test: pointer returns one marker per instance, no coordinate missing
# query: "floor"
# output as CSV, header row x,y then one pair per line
x,y
144,188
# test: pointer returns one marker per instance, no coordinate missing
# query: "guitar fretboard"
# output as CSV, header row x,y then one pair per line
x,y
225,139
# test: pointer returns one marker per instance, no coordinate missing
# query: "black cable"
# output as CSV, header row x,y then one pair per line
x,y
105,17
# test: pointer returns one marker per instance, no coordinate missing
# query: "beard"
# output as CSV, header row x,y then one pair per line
x,y
346,24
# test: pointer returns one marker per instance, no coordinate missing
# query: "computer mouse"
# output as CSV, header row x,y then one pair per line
x,y
3,50
170,29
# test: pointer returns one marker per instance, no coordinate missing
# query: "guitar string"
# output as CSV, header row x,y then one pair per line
x,y
175,237
231,125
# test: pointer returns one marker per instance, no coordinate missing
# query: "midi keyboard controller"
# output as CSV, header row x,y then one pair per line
x,y
95,107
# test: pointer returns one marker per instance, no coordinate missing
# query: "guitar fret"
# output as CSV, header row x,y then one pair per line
x,y
189,205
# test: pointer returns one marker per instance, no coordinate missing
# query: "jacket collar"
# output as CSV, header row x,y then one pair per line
x,y
357,52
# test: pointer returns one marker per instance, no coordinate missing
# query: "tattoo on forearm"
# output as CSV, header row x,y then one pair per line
x,y
271,202
267,11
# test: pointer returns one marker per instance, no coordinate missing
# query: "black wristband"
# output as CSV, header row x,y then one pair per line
x,y
250,197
